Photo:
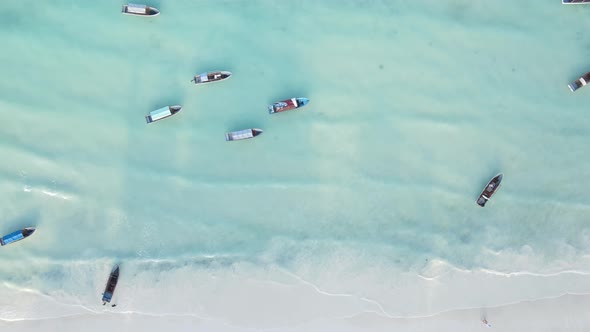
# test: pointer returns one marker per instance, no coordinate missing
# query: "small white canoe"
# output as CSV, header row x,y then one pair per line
x,y
211,76
139,10
162,113
242,134
575,2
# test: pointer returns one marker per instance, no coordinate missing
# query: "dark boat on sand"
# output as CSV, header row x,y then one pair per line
x,y
489,190
110,287
16,236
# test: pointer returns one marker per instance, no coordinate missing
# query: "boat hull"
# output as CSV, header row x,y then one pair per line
x,y
287,105
242,134
575,2
16,236
212,76
109,289
162,113
140,10
490,189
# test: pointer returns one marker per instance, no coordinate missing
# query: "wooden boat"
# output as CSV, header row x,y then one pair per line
x,y
16,236
286,105
162,113
139,10
242,134
211,76
109,289
489,190
580,82
575,2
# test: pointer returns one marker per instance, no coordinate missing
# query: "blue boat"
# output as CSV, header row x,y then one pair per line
x,y
286,105
109,290
16,236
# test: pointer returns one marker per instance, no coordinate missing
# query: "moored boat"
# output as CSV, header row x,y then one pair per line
x,y
211,76
16,236
162,113
242,134
286,105
489,190
139,10
109,289
575,2
580,82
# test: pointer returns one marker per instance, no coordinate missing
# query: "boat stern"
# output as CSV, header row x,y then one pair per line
x,y
575,85
107,296
481,201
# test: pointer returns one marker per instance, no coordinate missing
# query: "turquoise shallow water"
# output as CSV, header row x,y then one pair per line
x,y
413,108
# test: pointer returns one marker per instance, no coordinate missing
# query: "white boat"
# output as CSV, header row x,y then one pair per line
x,y
242,134
162,113
139,10
575,2
211,76
580,82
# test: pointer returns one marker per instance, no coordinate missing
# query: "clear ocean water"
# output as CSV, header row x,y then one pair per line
x,y
365,193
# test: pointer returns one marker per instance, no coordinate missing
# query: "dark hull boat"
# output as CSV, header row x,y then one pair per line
x,y
286,105
580,82
575,2
162,113
212,76
489,190
242,134
111,285
16,236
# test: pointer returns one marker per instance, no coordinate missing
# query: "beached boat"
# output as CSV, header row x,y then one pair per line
x,y
16,236
580,82
489,190
242,134
575,2
286,105
139,10
109,290
162,113
211,76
